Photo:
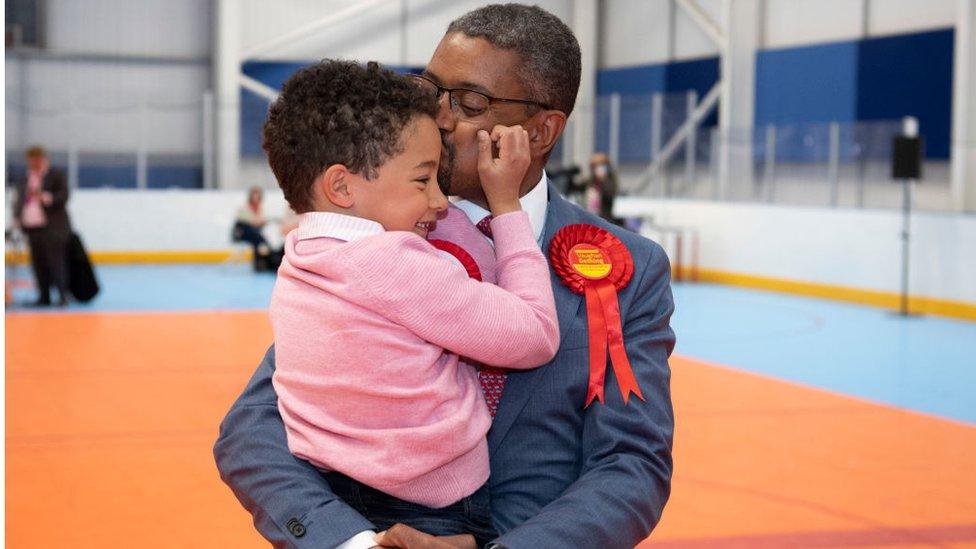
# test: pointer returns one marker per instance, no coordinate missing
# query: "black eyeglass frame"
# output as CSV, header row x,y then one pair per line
x,y
457,103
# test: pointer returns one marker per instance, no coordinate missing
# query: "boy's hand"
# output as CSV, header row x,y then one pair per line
x,y
405,537
501,178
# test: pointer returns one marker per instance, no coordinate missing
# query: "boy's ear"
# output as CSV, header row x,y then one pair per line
x,y
335,185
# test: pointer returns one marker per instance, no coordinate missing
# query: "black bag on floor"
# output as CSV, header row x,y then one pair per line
x,y
81,276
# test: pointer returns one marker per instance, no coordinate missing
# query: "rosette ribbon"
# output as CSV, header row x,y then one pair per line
x,y
462,255
592,262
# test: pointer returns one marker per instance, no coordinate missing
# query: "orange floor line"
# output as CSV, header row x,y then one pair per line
x,y
111,419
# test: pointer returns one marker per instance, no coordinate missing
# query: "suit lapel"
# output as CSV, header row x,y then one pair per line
x,y
520,386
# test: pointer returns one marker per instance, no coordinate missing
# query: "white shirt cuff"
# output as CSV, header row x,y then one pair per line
x,y
363,540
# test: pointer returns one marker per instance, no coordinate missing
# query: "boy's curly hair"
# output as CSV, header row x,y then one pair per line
x,y
338,112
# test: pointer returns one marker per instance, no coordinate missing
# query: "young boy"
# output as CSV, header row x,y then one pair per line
x,y
370,319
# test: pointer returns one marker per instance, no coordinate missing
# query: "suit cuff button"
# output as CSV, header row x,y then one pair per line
x,y
296,528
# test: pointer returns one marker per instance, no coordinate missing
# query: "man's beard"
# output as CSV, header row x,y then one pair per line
x,y
446,170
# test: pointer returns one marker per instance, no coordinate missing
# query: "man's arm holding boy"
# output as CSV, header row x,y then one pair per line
x,y
290,501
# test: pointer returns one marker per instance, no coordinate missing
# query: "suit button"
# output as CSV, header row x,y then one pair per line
x,y
296,528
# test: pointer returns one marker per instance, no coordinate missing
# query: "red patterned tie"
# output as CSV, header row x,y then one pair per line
x,y
492,379
485,226
492,384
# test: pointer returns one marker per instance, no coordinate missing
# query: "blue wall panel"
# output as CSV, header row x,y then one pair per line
x,y
174,177
96,175
642,80
909,75
807,84
635,85
254,108
800,89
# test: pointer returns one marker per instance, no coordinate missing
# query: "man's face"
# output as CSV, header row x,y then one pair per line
x,y
36,163
472,63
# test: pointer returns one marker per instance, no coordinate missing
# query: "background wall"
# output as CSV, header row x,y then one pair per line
x,y
401,34
819,61
161,220
136,72
114,76
851,248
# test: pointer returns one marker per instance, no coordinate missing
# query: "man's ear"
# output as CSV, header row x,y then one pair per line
x,y
544,131
335,186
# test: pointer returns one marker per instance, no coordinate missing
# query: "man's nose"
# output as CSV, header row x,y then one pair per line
x,y
445,114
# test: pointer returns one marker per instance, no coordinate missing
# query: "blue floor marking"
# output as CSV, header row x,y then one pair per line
x,y
229,286
926,363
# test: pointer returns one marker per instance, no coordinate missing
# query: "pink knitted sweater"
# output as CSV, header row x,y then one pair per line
x,y
368,328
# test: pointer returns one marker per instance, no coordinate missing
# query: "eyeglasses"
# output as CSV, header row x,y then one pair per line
x,y
469,102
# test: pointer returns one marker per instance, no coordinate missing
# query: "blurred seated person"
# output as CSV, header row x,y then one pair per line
x,y
248,225
289,221
601,188
40,211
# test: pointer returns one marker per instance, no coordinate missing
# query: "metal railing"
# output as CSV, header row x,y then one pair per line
x,y
835,164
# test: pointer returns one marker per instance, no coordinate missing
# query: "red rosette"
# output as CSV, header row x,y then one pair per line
x,y
594,263
622,264
459,253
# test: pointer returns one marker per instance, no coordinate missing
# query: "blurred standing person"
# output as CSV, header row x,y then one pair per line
x,y
601,189
41,212
248,225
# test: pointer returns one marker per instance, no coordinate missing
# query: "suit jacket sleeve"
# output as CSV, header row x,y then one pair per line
x,y
21,196
626,474
273,485
58,189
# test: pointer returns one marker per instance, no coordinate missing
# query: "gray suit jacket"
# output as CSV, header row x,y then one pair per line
x,y
561,475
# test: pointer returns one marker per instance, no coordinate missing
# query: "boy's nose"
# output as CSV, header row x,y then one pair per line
x,y
436,199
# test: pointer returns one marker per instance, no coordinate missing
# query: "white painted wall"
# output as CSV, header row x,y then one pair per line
x,y
639,32
901,16
794,22
146,27
855,248
376,34
690,41
151,220
99,105
105,58
635,32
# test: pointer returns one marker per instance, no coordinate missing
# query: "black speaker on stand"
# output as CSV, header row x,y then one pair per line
x,y
906,166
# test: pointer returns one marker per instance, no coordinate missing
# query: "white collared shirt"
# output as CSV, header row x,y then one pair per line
x,y
535,203
334,225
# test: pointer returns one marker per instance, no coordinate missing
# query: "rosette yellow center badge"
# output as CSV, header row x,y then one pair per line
x,y
590,261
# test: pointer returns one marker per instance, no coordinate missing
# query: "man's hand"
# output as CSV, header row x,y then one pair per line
x,y
405,537
501,178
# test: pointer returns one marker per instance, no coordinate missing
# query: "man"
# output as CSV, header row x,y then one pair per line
x,y
40,210
562,474
601,188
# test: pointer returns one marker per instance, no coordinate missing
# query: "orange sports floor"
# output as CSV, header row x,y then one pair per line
x,y
111,418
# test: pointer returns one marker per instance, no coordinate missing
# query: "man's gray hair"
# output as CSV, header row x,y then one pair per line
x,y
550,54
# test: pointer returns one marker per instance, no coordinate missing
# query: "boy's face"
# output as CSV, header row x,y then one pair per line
x,y
405,195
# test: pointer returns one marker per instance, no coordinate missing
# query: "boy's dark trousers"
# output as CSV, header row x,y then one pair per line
x,y
471,515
